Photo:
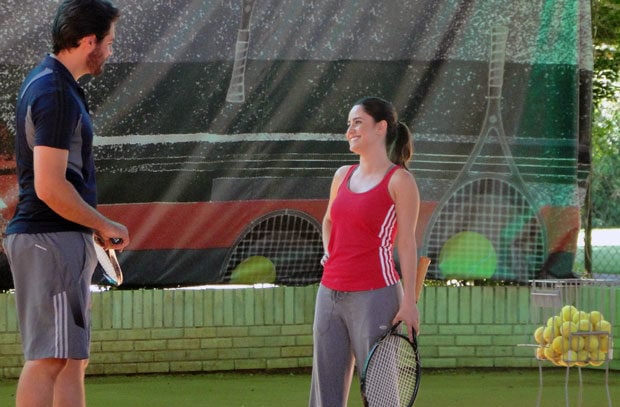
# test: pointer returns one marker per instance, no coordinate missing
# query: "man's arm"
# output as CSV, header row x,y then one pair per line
x,y
52,187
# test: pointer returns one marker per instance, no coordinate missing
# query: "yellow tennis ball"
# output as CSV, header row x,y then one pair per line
x,y
548,334
582,357
540,353
584,325
597,358
567,328
591,343
550,353
567,312
467,255
538,335
555,322
560,345
595,317
603,326
254,270
579,315
603,343
577,343
569,357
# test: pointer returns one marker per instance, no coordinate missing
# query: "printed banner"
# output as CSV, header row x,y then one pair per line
x,y
220,124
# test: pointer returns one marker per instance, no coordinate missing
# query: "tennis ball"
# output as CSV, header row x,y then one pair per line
x,y
591,343
577,343
569,357
567,328
540,353
584,325
560,345
467,255
254,270
579,315
595,317
538,335
582,357
603,343
603,326
597,358
567,312
555,322
550,353
548,334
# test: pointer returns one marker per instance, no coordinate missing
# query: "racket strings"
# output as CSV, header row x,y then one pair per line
x,y
392,373
502,214
290,240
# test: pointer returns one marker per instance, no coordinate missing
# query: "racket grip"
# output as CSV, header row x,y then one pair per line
x,y
423,263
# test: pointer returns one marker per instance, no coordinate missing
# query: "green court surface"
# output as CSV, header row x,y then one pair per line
x,y
438,388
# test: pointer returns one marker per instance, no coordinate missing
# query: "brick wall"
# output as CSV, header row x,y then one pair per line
x,y
168,331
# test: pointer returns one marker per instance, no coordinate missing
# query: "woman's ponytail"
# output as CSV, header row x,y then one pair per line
x,y
400,148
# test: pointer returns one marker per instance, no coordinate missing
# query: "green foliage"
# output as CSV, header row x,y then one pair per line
x,y
606,165
606,21
606,39
605,146
606,72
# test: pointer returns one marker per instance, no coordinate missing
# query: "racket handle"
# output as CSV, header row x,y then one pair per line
x,y
113,240
423,263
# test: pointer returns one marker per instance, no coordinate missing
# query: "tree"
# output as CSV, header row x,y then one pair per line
x,y
605,150
606,39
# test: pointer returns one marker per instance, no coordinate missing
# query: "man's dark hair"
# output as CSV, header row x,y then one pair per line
x,y
76,19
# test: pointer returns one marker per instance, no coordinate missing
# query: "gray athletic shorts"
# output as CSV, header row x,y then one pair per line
x,y
52,273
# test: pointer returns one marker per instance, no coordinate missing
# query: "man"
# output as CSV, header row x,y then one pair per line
x,y
49,241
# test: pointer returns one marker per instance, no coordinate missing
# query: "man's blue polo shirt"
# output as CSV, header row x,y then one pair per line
x,y
52,111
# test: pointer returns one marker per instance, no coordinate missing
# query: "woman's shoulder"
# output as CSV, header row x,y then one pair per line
x,y
403,174
342,171
403,178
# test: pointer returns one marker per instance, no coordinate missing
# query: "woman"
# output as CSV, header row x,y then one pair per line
x,y
361,294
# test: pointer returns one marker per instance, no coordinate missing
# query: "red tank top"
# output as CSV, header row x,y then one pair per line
x,y
362,238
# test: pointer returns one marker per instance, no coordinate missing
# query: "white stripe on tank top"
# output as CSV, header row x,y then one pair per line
x,y
385,254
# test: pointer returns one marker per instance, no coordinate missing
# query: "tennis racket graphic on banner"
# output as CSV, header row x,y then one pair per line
x,y
486,225
236,88
392,370
108,262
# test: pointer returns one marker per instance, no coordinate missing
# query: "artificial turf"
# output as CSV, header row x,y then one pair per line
x,y
439,388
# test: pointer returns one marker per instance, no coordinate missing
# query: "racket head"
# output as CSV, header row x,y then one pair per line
x,y
109,264
497,208
392,371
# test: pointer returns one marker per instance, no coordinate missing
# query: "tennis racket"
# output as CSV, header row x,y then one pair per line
x,y
108,261
236,87
392,370
391,375
490,198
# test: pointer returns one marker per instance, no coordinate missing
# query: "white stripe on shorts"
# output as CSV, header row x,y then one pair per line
x,y
61,344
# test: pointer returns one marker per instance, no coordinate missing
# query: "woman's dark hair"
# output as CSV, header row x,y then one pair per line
x,y
398,139
76,19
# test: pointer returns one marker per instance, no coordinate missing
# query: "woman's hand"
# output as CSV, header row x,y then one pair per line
x,y
409,314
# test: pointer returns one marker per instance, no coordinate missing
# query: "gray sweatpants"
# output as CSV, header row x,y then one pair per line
x,y
346,325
